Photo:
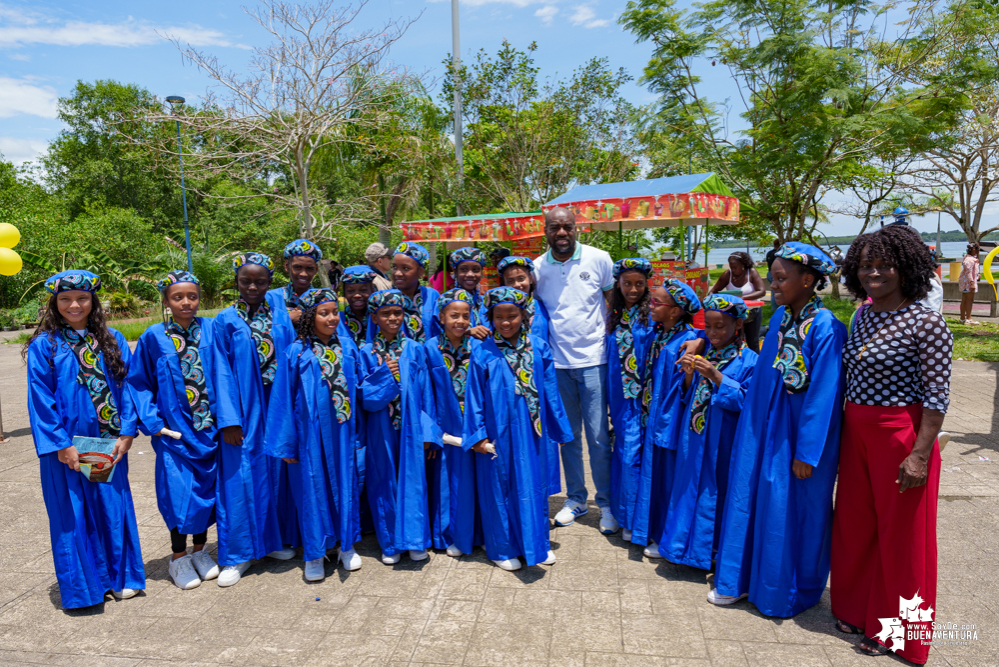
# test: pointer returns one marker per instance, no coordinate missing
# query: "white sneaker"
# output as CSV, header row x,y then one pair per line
x,y
942,439
282,554
714,597
550,560
570,511
126,593
608,524
510,564
453,551
315,570
351,561
418,554
626,535
652,551
231,574
182,572
206,566
391,560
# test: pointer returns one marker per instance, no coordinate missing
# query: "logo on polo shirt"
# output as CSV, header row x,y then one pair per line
x,y
585,275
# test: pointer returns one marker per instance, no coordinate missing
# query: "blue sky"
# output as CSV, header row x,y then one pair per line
x,y
46,47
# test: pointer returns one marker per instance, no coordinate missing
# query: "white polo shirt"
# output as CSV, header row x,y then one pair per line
x,y
573,293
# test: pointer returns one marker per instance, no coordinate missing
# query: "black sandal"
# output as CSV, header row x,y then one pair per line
x,y
874,648
847,628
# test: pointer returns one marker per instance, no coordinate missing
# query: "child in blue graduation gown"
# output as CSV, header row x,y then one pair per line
x,y
311,420
246,338
399,426
466,269
453,506
518,273
76,369
409,266
358,284
673,307
775,538
170,380
714,390
512,407
629,334
301,265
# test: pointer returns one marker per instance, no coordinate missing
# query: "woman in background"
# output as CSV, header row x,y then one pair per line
x,y
742,276
967,281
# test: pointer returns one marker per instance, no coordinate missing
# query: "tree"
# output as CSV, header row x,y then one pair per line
x,y
820,93
306,89
95,162
527,141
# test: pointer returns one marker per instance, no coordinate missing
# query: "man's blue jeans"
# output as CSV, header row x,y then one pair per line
x,y
584,395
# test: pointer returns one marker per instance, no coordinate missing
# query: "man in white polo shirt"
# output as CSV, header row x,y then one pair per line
x,y
572,280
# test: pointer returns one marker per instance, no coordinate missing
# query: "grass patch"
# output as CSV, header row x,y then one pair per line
x,y
975,342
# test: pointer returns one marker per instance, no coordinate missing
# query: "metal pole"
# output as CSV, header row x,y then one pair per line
x,y
939,247
456,60
183,195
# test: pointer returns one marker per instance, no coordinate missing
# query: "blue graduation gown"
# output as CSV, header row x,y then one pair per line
x,y
248,479
284,498
395,466
453,504
659,441
513,488
626,417
431,322
343,331
539,328
186,469
775,536
302,425
700,476
95,538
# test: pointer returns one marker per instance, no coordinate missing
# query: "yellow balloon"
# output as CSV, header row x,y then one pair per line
x,y
988,269
10,262
9,236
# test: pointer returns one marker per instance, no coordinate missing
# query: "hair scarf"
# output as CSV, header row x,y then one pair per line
x,y
663,337
260,330
330,356
520,358
529,313
391,351
357,325
187,344
790,340
456,361
414,317
702,393
632,381
91,375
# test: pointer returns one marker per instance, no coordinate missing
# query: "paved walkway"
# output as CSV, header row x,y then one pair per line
x,y
601,604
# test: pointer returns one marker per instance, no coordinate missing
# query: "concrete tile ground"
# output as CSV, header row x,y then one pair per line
x,y
601,605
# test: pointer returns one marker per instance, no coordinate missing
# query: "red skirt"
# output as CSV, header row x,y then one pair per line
x,y
884,543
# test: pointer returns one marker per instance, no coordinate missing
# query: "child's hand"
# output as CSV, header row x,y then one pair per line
x,y
393,365
71,457
290,460
801,469
121,447
479,333
707,369
232,435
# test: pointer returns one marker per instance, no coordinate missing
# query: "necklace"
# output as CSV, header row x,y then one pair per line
x,y
887,322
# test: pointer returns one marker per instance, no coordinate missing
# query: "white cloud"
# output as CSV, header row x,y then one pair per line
x,y
130,33
586,17
23,57
547,14
20,96
22,150
21,28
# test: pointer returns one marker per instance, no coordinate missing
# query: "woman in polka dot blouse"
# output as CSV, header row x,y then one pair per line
x,y
898,364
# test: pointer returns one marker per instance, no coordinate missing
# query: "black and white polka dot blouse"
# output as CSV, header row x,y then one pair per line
x,y
908,362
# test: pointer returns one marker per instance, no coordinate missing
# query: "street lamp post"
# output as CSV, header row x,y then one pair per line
x,y
172,100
